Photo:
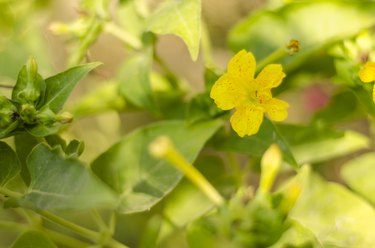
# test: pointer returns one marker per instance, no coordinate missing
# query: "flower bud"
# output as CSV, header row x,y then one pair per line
x,y
28,113
293,46
7,112
270,165
290,196
30,86
64,118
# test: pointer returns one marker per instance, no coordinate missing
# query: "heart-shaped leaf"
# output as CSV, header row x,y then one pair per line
x,y
141,180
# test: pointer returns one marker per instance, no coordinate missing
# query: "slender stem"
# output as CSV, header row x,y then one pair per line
x,y
7,192
168,73
6,86
276,55
63,239
206,46
163,148
10,225
84,232
124,36
99,220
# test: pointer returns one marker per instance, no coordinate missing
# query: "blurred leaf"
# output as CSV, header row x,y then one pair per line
x,y
110,99
181,18
150,234
59,87
331,147
74,148
336,216
24,144
62,183
257,144
135,82
267,31
55,140
140,179
342,107
359,174
41,130
33,239
201,107
9,164
297,236
187,202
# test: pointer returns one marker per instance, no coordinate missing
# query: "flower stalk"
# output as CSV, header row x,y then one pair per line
x,y
163,148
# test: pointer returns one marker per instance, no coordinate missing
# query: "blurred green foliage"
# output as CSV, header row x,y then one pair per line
x,y
93,182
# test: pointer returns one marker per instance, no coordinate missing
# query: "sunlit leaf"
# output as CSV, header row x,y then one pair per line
x,y
140,179
336,216
181,18
59,87
331,147
62,183
359,174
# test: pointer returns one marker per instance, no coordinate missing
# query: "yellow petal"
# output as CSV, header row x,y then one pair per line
x,y
373,94
367,72
276,109
227,92
270,77
242,66
246,120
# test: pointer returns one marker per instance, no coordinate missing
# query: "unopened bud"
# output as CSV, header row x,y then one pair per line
x,y
7,112
270,165
293,46
64,118
28,113
290,196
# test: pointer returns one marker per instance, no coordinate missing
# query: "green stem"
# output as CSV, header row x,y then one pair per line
x,y
276,55
168,73
99,220
63,239
84,232
6,86
206,46
163,147
124,36
9,225
7,192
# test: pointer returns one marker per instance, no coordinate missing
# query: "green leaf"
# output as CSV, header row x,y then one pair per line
x,y
359,174
181,18
33,239
336,216
24,144
136,176
343,106
41,130
135,80
269,30
331,147
257,144
62,183
9,164
59,87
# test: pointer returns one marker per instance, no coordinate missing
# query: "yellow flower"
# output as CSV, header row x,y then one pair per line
x,y
367,75
251,97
